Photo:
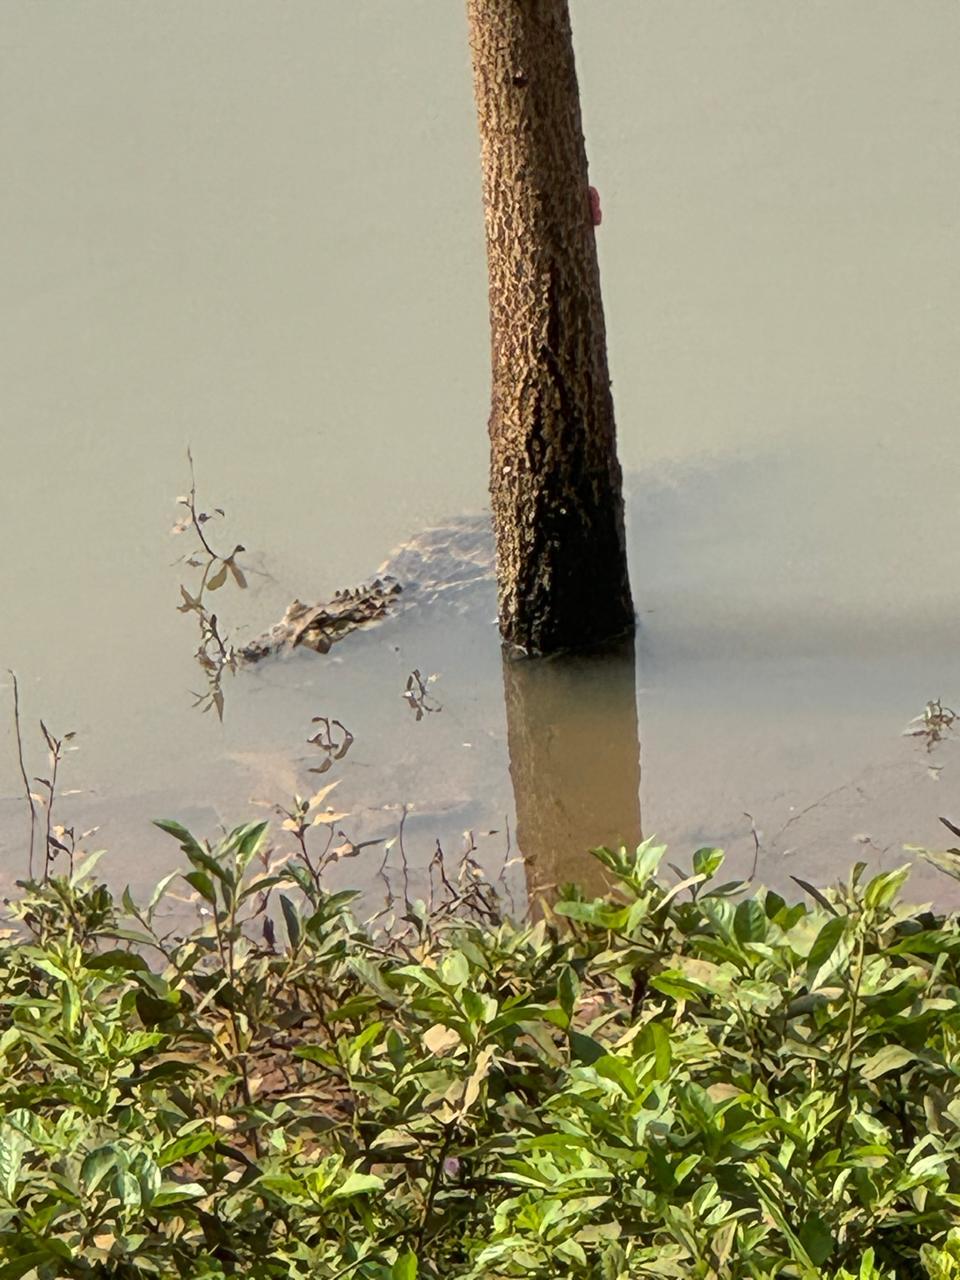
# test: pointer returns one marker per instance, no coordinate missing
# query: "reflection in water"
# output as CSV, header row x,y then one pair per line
x,y
574,746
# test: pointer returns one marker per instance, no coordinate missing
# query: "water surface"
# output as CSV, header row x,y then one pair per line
x,y
256,230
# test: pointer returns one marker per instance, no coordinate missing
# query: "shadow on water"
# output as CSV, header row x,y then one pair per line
x,y
576,779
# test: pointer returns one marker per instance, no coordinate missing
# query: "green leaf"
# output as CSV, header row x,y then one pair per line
x,y
125,1186
316,1053
890,1058
517,1014
291,918
815,893
70,1007
454,969
598,913
200,881
945,862
478,1008
136,936
12,1146
773,904
816,1238
827,940
353,1007
707,862
775,1209
96,1165
699,1106
147,1174
673,983
188,1145
405,1267
175,1192
646,860
260,885
750,921
572,1250
248,841
187,842
568,988
19,1266
358,1184
153,1011
585,1048
160,890
654,1040
882,889
214,868
612,1067
127,961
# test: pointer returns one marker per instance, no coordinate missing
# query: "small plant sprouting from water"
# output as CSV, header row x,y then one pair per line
x,y
56,837
333,739
933,724
301,819
215,654
418,697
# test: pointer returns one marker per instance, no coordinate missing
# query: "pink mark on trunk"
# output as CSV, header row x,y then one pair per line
x,y
596,217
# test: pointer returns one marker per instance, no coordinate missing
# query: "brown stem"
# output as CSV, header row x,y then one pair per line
x,y
434,1184
54,745
851,1030
23,771
193,511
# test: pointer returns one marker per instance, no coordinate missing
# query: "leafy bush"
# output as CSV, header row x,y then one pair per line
x,y
669,1082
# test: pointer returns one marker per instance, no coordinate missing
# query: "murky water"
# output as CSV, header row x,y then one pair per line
x,y
257,231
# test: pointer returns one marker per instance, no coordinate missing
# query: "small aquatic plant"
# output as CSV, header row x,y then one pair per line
x,y
215,654
933,724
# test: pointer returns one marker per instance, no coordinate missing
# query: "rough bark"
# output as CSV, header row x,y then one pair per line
x,y
574,746
554,480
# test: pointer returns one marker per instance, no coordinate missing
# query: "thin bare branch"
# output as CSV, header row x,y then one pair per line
x,y
23,771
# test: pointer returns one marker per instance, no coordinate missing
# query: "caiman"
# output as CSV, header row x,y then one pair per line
x,y
439,563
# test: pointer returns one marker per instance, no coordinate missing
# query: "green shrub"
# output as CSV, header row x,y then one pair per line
x,y
682,1082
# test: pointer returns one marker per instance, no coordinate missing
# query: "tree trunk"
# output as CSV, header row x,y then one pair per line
x,y
554,477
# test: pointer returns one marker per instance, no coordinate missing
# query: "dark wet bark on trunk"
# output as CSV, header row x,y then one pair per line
x,y
554,480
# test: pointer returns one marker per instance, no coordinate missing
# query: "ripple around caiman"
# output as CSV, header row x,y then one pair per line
x,y
441,562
